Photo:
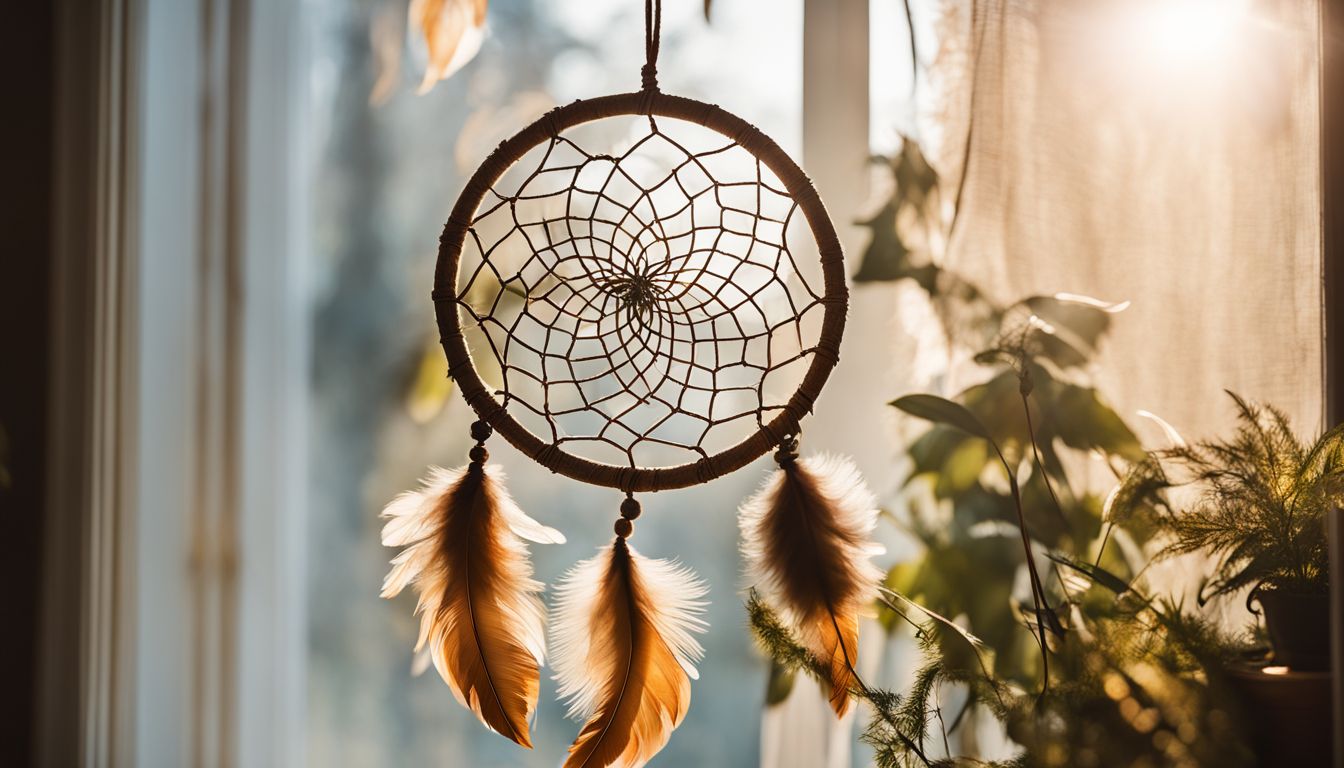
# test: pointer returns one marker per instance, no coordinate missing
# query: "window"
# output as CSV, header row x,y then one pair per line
x,y
247,291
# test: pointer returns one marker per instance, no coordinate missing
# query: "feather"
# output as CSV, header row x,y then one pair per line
x,y
480,615
805,540
624,653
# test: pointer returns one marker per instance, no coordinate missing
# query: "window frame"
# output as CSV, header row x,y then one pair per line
x,y
173,622
1332,326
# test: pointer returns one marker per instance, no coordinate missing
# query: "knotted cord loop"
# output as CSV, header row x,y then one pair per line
x,y
626,480
653,30
545,454
704,470
551,127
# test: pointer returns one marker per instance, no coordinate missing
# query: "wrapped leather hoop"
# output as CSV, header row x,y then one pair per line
x,y
492,407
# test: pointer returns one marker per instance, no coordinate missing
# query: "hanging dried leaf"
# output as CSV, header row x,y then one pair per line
x,y
453,30
387,38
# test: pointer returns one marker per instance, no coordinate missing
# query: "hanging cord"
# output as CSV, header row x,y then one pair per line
x,y
653,30
787,453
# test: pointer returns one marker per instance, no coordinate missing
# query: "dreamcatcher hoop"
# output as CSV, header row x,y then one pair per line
x,y
649,102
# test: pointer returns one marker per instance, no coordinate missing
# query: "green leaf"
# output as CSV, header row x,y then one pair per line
x,y
886,258
931,450
997,404
900,578
915,177
1084,422
1097,574
780,685
1079,320
1049,346
913,202
887,595
1069,328
962,469
940,410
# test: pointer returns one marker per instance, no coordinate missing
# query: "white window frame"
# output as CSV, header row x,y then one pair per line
x,y
173,624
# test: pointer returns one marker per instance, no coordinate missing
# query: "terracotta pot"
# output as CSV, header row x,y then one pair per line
x,y
1299,628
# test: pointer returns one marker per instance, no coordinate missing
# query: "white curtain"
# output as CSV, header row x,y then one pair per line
x,y
1164,152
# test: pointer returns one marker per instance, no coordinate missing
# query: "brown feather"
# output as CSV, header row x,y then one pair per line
x,y
805,538
479,611
624,653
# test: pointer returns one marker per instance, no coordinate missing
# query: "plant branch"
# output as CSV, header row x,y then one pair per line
x,y
1037,588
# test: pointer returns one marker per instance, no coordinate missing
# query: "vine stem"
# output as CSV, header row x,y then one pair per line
x,y
1037,588
1035,449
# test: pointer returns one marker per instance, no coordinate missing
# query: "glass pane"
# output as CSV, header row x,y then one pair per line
x,y
387,175
899,104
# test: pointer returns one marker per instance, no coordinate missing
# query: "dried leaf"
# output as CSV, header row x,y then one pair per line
x,y
386,38
452,30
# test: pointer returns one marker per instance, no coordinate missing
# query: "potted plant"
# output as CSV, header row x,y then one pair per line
x,y
1261,512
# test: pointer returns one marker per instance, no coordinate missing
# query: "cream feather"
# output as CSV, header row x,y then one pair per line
x,y
805,539
480,615
624,653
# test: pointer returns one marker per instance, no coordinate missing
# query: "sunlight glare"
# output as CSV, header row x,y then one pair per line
x,y
1192,35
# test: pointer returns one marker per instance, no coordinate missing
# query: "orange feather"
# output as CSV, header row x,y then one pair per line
x,y
480,615
624,654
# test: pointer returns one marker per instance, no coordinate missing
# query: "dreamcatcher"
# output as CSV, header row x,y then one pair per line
x,y
642,292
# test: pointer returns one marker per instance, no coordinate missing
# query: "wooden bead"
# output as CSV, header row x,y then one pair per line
x,y
479,455
624,528
630,508
481,431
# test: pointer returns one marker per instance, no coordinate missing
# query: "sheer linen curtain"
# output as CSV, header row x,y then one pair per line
x,y
1160,152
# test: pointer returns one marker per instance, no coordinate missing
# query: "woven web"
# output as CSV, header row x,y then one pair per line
x,y
642,307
